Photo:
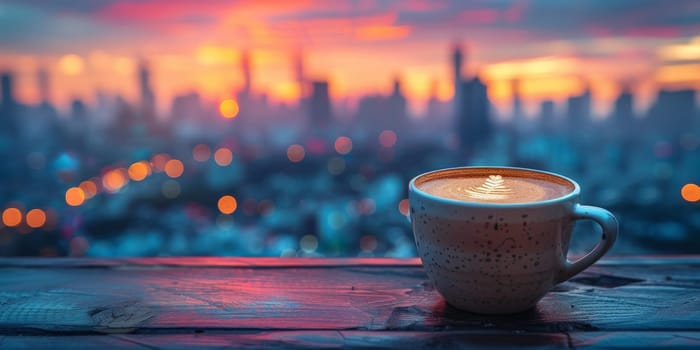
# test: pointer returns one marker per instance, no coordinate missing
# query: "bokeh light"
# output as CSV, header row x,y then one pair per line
x,y
387,138
139,171
89,188
336,166
404,206
368,243
201,152
691,192
228,108
296,153
227,204
366,206
11,217
343,145
223,156
158,162
308,243
114,180
36,218
174,168
78,246
75,196
71,64
170,189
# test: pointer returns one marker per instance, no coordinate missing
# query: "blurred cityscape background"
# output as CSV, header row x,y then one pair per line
x,y
291,128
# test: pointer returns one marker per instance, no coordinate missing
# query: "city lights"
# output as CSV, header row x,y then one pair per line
x,y
308,243
228,108
404,206
170,189
89,188
139,171
227,204
174,168
114,180
158,162
11,217
691,192
223,156
343,145
295,153
36,218
201,152
387,138
75,196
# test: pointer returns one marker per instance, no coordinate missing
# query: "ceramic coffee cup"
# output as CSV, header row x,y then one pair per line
x,y
498,258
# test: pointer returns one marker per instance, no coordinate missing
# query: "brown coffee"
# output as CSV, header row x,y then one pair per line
x,y
495,188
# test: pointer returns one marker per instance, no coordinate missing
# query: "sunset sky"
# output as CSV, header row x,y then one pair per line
x,y
554,47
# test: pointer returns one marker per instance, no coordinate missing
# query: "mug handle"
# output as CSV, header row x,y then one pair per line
x,y
608,223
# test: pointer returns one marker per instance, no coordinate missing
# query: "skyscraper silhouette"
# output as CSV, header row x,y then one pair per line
x,y
245,69
43,83
8,106
320,105
147,103
457,77
473,117
578,108
517,104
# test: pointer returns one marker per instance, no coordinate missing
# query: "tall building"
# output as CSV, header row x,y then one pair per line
x,y
147,103
299,75
457,77
8,98
473,117
578,112
673,112
320,105
517,103
547,116
397,105
8,104
43,84
623,112
246,70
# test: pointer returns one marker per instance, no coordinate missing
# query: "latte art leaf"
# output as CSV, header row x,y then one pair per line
x,y
493,188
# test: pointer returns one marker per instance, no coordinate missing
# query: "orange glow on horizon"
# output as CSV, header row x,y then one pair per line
x,y
382,32
75,196
36,218
227,205
11,217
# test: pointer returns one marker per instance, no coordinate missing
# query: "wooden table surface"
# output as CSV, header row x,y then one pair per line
x,y
172,303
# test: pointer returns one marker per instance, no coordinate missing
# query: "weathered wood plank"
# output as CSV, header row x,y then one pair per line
x,y
153,297
204,262
362,340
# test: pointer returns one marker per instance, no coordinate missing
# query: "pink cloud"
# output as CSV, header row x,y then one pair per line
x,y
479,16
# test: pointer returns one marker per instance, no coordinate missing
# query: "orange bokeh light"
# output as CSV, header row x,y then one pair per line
x,y
158,162
227,204
89,188
75,196
343,145
36,218
114,180
228,108
11,217
201,152
139,170
691,192
296,153
174,168
387,138
404,206
223,156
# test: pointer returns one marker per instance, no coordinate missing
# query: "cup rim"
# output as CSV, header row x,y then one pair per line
x,y
573,194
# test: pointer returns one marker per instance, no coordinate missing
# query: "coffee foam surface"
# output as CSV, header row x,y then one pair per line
x,y
494,189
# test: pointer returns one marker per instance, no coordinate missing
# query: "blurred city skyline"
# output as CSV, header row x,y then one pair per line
x,y
553,49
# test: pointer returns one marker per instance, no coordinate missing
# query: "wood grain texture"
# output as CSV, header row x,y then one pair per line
x,y
173,302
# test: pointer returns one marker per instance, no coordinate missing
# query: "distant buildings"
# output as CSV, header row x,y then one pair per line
x,y
673,112
8,104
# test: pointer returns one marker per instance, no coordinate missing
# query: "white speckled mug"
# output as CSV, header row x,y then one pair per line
x,y
494,258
